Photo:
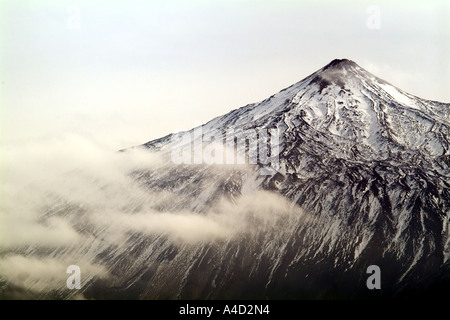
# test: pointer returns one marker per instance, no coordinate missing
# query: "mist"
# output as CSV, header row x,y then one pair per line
x,y
67,196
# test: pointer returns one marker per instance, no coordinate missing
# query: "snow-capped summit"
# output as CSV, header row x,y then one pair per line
x,y
367,161
349,106
340,63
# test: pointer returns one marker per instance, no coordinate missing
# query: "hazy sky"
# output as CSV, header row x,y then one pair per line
x,y
125,72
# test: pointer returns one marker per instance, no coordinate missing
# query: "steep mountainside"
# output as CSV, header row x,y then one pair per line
x,y
367,162
333,174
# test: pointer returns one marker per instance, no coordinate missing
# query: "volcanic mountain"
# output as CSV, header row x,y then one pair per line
x,y
338,172
367,161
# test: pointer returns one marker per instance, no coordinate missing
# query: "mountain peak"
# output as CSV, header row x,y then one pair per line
x,y
344,102
338,72
340,64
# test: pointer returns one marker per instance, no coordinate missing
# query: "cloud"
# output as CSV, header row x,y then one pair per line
x,y
44,181
21,233
67,200
185,227
50,187
43,274
226,220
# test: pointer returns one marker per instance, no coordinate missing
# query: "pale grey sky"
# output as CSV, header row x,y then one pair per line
x,y
125,72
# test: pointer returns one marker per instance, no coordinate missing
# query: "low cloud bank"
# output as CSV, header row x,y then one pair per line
x,y
58,196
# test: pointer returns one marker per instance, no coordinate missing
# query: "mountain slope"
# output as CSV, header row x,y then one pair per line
x,y
369,163
333,174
